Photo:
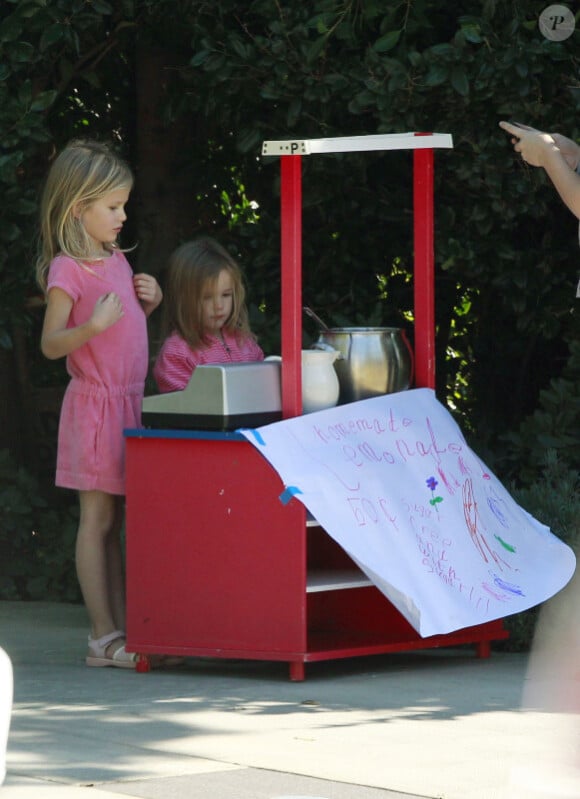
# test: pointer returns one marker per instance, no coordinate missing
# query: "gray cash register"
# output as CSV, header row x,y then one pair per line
x,y
220,397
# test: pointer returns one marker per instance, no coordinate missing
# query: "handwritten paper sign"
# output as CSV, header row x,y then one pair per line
x,y
394,482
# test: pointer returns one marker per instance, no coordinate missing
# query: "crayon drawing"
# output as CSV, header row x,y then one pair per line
x,y
394,482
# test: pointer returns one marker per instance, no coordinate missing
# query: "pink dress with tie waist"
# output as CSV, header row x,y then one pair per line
x,y
107,376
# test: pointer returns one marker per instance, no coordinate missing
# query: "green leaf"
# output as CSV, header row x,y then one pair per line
x,y
249,140
215,62
239,47
522,69
25,92
361,101
294,111
25,207
44,100
93,78
321,26
21,52
10,29
387,42
315,49
51,35
442,50
436,75
9,163
472,33
269,91
29,10
9,232
459,81
101,7
414,57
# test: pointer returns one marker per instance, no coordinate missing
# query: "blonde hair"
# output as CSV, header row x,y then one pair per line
x,y
84,172
194,267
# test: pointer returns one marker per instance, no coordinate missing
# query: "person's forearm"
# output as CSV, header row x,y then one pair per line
x,y
569,149
62,342
565,180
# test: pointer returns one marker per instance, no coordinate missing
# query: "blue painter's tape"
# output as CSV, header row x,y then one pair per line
x,y
288,493
256,434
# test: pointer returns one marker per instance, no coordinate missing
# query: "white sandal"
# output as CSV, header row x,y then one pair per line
x,y
98,652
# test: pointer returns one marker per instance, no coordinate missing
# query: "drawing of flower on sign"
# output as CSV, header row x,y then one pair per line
x,y
432,483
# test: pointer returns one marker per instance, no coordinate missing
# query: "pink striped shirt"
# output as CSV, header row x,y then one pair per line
x,y
176,360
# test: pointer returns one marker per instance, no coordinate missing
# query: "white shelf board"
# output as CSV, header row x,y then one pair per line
x,y
336,580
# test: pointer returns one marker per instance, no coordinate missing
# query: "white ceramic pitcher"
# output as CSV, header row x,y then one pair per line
x,y
320,386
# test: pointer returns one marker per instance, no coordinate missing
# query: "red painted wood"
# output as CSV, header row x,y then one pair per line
x,y
291,283
208,543
424,271
217,565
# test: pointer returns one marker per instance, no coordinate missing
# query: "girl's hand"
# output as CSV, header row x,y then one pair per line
x,y
58,339
534,145
148,291
108,310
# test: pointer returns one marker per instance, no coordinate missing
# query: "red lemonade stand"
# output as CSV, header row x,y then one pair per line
x,y
217,564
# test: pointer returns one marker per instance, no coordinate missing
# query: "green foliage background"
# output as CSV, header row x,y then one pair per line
x,y
189,90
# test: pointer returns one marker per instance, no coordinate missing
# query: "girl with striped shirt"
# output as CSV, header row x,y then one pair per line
x,y
205,315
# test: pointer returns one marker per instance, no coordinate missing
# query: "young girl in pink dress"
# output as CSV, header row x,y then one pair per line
x,y
96,312
205,316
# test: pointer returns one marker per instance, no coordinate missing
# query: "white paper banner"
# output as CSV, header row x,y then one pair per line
x,y
394,482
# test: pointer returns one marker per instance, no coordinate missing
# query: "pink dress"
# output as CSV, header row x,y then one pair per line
x,y
176,360
107,377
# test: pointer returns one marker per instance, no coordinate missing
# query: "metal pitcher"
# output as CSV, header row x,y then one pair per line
x,y
372,361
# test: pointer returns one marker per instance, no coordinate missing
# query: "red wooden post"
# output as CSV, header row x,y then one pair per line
x,y
424,277
291,283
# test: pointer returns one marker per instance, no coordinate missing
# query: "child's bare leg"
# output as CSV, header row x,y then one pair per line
x,y
97,522
115,567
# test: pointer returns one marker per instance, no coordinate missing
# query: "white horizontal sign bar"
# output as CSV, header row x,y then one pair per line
x,y
349,144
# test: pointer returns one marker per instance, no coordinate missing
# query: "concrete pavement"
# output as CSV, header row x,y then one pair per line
x,y
438,724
